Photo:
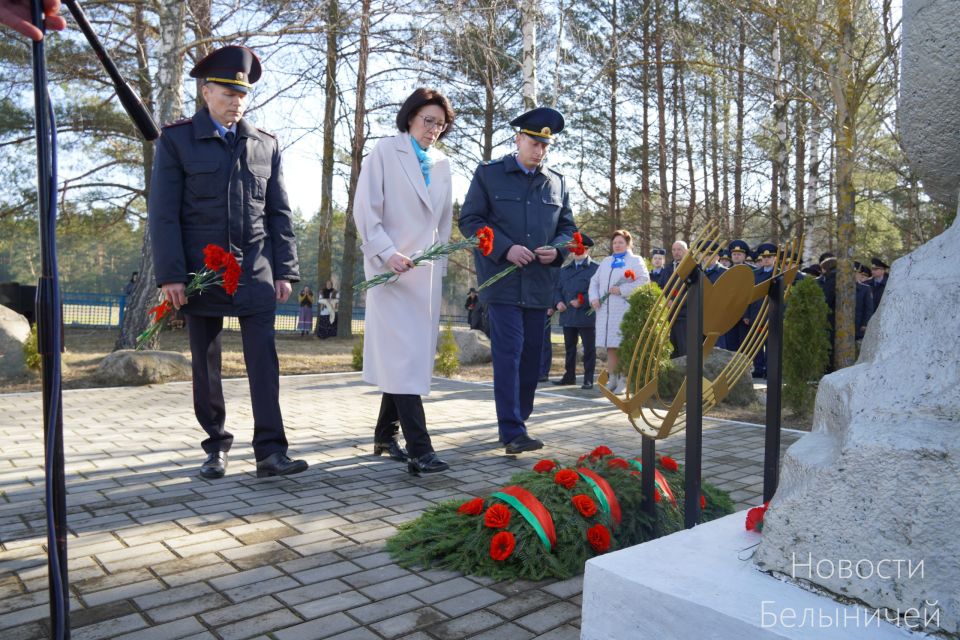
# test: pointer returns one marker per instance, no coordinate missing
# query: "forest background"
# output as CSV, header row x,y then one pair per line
x,y
773,118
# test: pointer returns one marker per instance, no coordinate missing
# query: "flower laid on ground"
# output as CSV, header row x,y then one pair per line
x,y
471,507
566,478
548,521
618,462
586,506
669,463
215,260
560,244
628,276
544,466
497,516
482,240
502,545
599,538
755,517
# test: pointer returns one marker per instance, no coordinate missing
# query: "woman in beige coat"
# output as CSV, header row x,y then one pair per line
x,y
607,279
403,205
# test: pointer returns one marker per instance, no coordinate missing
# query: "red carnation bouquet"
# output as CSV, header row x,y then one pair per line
x,y
628,276
220,268
576,246
482,240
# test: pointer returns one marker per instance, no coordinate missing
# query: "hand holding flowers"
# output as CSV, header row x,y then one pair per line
x,y
628,276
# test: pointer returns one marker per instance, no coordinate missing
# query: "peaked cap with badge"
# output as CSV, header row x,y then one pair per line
x,y
233,66
540,124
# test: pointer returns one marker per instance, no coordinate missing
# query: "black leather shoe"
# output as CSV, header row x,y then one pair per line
x,y
215,466
563,381
523,443
543,378
279,464
587,385
427,463
392,449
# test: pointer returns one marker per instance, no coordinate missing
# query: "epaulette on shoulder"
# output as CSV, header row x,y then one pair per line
x,y
487,163
555,172
178,123
267,133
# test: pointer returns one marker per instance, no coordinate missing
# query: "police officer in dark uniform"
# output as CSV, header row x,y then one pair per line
x,y
713,270
217,179
766,255
572,300
738,250
528,207
863,307
658,273
879,270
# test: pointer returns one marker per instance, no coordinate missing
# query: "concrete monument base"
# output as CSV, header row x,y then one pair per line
x,y
701,583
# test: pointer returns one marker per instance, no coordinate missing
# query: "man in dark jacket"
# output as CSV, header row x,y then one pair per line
x,y
528,207
766,254
657,259
217,180
879,270
571,298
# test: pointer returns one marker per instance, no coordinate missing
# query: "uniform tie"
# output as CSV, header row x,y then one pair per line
x,y
230,136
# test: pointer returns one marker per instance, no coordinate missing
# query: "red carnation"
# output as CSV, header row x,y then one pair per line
x,y
485,240
566,478
601,451
755,517
580,299
703,502
581,459
629,274
599,538
214,257
586,506
669,463
618,463
502,546
471,507
578,237
160,311
544,466
497,516
231,277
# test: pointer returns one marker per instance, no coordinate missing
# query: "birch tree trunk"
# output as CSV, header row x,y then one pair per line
x,y
781,153
529,19
169,108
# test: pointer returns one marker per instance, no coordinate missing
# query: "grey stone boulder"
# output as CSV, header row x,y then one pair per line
x,y
126,368
742,393
14,331
473,347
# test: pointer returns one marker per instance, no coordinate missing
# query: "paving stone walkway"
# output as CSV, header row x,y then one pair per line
x,y
157,552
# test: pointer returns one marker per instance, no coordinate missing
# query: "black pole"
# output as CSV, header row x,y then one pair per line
x,y
648,458
691,510
771,453
49,340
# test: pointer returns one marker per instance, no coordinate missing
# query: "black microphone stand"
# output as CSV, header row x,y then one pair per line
x,y
49,311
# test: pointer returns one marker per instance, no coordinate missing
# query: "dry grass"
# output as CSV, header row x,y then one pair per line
x,y
87,347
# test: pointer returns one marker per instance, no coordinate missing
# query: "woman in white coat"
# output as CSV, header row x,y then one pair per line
x,y
608,279
403,204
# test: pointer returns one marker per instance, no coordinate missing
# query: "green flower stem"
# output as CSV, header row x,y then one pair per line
x,y
431,253
503,274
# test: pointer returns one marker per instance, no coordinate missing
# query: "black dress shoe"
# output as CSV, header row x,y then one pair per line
x,y
587,385
427,463
279,464
215,466
562,381
543,378
523,443
392,449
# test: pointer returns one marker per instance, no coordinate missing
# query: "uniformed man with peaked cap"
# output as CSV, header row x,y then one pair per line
x,y
527,205
217,179
738,251
766,255
571,298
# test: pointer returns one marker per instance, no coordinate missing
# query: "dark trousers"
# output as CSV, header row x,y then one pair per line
x,y
678,337
760,362
516,341
588,335
403,411
735,337
263,375
546,354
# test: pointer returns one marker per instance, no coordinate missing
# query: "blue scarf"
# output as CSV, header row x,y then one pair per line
x,y
618,261
426,161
